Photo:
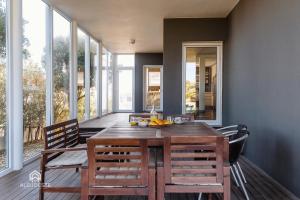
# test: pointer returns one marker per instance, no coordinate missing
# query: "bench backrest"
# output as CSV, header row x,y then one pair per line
x,y
62,135
193,160
117,162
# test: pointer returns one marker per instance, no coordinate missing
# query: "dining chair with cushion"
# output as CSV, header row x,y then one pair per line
x,y
118,167
194,164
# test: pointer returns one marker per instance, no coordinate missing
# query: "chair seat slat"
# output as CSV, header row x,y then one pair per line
x,y
194,163
117,164
117,157
193,155
193,171
193,147
194,180
119,182
115,172
119,149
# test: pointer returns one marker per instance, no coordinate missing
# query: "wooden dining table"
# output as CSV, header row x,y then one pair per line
x,y
155,136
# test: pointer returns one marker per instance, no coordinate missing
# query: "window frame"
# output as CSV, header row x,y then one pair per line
x,y
219,46
161,67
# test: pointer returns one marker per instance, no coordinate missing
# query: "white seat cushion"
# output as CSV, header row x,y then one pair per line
x,y
69,158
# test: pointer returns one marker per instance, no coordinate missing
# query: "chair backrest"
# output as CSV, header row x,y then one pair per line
x,y
236,145
194,160
62,135
117,162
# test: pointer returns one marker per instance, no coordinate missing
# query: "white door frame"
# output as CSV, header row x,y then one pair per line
x,y
161,85
219,46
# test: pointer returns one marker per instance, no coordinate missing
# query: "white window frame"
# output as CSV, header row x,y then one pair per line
x,y
219,46
116,90
161,86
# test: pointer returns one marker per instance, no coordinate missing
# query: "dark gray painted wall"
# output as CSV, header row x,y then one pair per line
x,y
142,59
177,31
262,84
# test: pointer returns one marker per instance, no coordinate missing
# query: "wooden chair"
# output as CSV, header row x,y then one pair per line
x,y
62,151
118,167
194,165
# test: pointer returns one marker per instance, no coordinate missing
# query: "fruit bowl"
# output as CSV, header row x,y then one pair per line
x,y
157,123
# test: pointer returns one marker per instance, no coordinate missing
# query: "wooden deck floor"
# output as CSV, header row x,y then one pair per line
x,y
13,186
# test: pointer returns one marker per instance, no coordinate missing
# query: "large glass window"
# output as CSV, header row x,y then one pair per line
x,y
82,37
34,76
125,69
3,76
93,71
61,68
202,68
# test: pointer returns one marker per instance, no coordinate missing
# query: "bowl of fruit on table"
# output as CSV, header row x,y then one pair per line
x,y
156,123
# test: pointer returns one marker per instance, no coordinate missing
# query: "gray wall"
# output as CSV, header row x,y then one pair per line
x,y
177,31
142,59
262,84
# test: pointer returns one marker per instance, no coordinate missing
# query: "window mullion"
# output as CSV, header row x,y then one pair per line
x,y
49,67
87,77
15,89
73,71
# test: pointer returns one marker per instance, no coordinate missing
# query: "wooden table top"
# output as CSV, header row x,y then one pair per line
x,y
124,130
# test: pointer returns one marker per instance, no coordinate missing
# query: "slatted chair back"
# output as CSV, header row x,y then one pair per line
x,y
193,160
117,162
61,135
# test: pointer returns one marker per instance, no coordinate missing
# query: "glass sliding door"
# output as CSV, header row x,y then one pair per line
x,y
153,80
81,83
125,80
3,97
34,76
61,68
202,81
93,71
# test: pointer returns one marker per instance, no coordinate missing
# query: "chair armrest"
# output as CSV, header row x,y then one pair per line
x,y
229,133
50,151
226,169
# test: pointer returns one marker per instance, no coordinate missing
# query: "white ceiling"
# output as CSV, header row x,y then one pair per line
x,y
115,22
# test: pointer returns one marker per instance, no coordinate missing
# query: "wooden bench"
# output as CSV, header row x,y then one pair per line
x,y
62,151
